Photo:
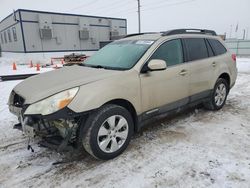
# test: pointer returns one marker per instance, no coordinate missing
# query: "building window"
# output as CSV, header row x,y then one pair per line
x,y
14,33
2,38
9,36
5,37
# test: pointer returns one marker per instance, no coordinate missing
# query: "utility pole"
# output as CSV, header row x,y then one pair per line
x,y
139,15
244,34
247,34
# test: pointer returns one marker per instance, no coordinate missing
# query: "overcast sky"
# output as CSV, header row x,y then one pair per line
x,y
156,15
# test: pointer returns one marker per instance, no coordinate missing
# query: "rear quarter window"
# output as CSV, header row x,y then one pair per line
x,y
217,47
195,48
209,49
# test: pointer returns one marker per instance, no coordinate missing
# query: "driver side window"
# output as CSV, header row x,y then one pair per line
x,y
170,51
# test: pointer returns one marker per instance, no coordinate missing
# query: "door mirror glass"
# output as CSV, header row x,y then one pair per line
x,y
157,64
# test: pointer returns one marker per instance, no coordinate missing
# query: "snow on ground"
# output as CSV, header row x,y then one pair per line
x,y
243,65
22,69
43,58
23,61
197,148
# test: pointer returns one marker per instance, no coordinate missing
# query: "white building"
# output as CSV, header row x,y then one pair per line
x,y
29,31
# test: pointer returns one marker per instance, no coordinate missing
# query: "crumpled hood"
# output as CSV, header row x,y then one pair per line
x,y
46,84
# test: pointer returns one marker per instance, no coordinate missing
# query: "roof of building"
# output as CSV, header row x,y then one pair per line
x,y
59,13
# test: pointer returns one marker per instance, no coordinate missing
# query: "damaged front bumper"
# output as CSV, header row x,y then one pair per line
x,y
57,130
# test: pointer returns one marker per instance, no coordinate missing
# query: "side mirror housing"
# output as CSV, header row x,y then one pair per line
x,y
157,65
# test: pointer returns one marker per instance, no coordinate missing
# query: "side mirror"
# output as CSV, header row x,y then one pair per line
x,y
157,65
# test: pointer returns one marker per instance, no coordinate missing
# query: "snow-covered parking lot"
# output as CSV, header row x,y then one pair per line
x,y
197,148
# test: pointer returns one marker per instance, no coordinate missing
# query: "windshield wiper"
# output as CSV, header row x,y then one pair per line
x,y
98,66
93,66
101,67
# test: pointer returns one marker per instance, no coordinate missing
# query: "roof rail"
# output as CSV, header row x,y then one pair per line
x,y
136,34
189,31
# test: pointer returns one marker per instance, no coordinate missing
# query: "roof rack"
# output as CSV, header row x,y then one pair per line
x,y
189,31
136,34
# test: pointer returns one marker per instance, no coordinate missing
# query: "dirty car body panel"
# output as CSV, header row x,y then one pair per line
x,y
74,93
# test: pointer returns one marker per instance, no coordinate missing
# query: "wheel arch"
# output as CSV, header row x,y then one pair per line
x,y
129,106
226,76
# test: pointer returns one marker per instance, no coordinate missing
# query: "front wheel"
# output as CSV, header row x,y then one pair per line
x,y
219,95
108,132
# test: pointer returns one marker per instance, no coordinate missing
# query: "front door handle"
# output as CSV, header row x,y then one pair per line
x,y
183,72
214,64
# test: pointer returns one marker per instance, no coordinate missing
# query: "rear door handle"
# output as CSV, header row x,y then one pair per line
x,y
183,72
214,64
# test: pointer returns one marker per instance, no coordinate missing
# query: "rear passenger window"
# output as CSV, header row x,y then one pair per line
x,y
218,48
170,51
209,49
196,48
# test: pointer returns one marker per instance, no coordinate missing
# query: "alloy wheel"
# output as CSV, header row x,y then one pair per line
x,y
220,94
112,133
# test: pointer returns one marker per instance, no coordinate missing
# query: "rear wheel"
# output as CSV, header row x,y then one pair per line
x,y
219,95
108,132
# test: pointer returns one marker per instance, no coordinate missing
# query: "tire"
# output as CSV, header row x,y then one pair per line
x,y
100,135
218,99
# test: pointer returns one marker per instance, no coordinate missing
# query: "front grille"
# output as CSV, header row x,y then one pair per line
x,y
18,100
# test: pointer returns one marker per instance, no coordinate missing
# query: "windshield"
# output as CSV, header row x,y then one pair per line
x,y
120,55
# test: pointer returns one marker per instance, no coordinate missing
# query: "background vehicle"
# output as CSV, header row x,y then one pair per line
x,y
123,85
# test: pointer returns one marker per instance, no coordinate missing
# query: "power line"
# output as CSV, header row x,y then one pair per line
x,y
154,3
84,5
112,6
170,4
134,10
128,11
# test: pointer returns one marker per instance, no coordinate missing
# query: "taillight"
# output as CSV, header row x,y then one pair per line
x,y
234,57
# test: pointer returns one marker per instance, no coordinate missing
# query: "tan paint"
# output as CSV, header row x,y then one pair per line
x,y
144,91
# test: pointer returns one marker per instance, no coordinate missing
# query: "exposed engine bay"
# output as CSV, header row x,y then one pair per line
x,y
57,134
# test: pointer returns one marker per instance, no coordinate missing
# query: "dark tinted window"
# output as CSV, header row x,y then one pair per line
x,y
14,33
209,49
218,48
196,48
5,37
170,51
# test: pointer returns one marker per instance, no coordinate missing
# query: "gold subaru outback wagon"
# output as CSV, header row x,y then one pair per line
x,y
98,105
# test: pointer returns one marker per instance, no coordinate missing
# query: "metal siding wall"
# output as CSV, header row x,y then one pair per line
x,y
14,46
67,28
31,34
239,47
